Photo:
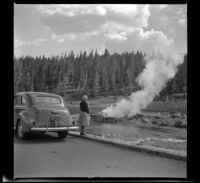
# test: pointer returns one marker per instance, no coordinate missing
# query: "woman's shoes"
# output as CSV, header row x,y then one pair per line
x,y
82,134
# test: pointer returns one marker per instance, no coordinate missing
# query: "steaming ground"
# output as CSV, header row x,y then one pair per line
x,y
142,130
158,70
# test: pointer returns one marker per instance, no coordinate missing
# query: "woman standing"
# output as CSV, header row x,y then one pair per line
x,y
84,118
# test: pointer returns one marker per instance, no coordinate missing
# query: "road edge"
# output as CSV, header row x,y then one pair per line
x,y
168,153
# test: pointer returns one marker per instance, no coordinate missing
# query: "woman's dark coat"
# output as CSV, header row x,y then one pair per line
x,y
84,114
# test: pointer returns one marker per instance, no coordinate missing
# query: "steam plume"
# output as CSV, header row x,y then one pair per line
x,y
103,47
158,70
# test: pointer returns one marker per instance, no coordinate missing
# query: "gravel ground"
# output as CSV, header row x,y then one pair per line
x,y
162,124
166,130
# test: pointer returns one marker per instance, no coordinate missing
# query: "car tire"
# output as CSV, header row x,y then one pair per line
x,y
62,134
20,133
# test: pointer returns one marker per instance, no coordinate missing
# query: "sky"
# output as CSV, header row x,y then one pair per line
x,y
53,29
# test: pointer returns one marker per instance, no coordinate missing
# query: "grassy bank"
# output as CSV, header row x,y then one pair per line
x,y
168,106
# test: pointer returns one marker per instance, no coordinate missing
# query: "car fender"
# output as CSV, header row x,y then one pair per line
x,y
26,120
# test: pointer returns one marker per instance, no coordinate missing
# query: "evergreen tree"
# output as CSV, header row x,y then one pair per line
x,y
90,73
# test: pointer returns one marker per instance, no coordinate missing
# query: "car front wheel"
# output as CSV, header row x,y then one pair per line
x,y
62,134
20,133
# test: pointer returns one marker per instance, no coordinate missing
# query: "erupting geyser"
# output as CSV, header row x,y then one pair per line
x,y
158,70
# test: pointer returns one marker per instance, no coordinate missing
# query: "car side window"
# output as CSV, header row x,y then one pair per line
x,y
23,101
18,100
28,99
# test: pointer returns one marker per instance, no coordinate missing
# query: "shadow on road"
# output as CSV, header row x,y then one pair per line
x,y
39,138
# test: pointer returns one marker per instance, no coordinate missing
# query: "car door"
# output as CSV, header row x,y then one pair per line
x,y
20,105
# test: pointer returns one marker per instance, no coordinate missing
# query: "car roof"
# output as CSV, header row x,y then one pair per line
x,y
38,93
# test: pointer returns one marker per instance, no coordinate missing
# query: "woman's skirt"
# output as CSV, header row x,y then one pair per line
x,y
84,119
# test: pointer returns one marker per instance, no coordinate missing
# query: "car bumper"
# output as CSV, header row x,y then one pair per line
x,y
53,129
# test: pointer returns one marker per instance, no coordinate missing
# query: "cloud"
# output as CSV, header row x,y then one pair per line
x,y
38,41
120,31
71,10
137,15
162,6
70,36
60,40
182,21
119,26
139,39
154,36
114,22
123,9
19,43
111,26
181,11
86,35
86,18
117,36
82,22
128,10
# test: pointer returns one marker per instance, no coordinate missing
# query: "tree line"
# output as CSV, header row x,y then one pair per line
x,y
88,73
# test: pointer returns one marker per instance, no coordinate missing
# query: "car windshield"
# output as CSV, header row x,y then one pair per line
x,y
47,99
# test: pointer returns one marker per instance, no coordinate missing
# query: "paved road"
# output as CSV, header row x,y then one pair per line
x,y
44,155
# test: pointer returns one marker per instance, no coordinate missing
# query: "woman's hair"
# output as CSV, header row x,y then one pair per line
x,y
85,97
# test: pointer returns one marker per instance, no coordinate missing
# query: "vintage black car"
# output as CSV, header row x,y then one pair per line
x,y
41,112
